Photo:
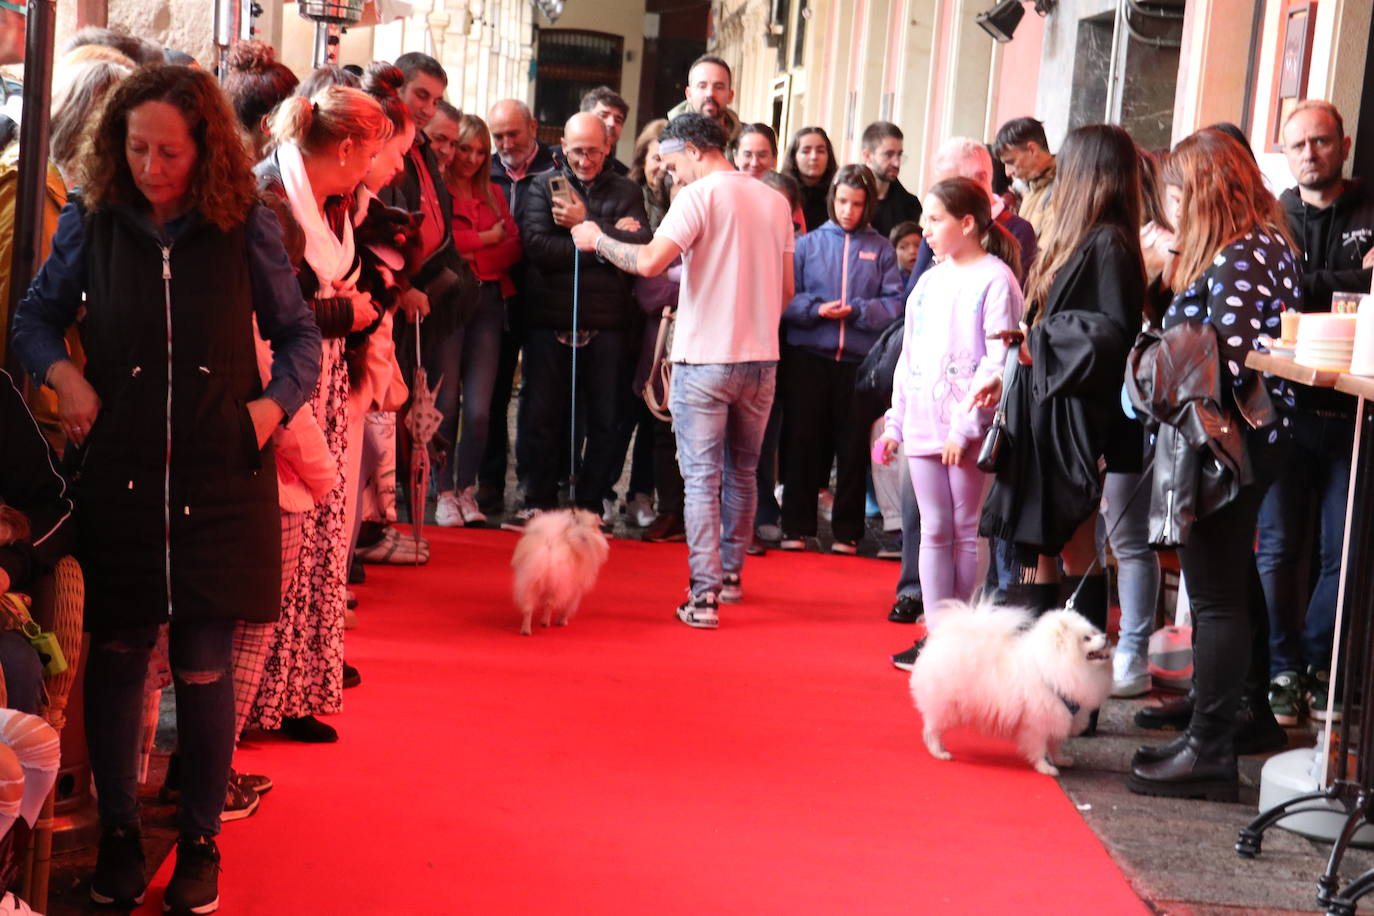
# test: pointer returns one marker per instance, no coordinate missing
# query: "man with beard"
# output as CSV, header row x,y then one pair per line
x,y
709,93
882,153
1331,219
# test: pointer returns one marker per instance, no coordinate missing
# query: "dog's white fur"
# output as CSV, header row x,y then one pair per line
x,y
1006,674
556,563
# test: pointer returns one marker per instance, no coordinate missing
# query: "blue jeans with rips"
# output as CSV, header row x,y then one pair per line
x,y
719,413
201,654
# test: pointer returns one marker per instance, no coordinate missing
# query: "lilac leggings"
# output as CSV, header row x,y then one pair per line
x,y
949,498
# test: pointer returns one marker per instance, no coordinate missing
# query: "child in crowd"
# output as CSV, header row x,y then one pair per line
x,y
848,291
949,349
906,241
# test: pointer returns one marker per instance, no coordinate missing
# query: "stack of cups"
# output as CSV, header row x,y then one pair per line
x,y
1362,359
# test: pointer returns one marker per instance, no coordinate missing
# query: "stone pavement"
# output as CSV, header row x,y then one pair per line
x,y
1178,854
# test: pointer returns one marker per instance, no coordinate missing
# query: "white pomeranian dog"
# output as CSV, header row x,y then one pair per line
x,y
1007,674
556,563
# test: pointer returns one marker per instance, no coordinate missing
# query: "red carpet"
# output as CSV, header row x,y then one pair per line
x,y
629,764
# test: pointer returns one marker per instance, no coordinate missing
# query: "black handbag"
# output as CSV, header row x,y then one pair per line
x,y
994,440
874,376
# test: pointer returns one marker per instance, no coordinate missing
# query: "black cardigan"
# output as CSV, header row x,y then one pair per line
x,y
1064,411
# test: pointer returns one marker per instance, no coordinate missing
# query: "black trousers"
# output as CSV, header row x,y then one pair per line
x,y
1230,645
820,425
548,375
492,472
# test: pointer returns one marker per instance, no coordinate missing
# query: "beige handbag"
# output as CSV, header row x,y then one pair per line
x,y
659,383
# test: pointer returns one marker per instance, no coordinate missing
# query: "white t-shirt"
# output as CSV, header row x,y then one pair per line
x,y
733,231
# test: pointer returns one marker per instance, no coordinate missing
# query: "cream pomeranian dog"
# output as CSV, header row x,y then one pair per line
x,y
1007,674
556,563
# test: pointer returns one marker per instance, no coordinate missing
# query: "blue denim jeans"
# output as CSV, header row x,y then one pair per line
x,y
201,654
719,414
1316,473
467,362
1137,566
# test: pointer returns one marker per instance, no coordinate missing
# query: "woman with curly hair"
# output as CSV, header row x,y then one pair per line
x,y
176,520
322,149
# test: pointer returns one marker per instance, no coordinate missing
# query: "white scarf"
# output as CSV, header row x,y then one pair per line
x,y
328,256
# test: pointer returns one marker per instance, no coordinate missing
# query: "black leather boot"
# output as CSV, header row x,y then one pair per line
x,y
1257,731
1153,753
1198,768
1172,714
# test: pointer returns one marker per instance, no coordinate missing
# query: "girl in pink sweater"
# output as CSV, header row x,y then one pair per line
x,y
949,348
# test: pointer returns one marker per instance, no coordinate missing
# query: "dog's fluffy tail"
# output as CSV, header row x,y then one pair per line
x,y
556,561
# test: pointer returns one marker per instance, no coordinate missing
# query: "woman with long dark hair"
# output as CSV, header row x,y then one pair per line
x,y
1235,272
810,161
176,517
1084,301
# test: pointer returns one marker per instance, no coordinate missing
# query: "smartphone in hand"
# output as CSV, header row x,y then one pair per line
x,y
559,189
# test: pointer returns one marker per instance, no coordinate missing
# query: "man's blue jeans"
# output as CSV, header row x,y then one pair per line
x,y
1315,473
719,413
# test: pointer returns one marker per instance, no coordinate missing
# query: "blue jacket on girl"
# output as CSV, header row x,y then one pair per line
x,y
859,268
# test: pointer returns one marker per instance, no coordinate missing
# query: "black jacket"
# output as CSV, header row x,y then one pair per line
x,y
542,164
444,276
606,293
900,205
815,209
1333,242
176,512
1064,412
1209,432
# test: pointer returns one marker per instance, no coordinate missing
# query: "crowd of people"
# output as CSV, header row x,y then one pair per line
x,y
223,454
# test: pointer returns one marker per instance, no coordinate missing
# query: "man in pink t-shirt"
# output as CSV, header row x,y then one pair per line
x,y
735,238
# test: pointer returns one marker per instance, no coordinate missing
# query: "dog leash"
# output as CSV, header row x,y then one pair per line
x,y
572,418
1145,477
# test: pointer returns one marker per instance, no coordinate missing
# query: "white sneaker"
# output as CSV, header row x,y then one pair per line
x,y
448,514
641,510
467,507
1130,675
699,611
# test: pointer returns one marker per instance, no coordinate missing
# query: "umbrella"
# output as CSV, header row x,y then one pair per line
x,y
422,420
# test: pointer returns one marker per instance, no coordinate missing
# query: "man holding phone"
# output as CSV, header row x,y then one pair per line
x,y
559,280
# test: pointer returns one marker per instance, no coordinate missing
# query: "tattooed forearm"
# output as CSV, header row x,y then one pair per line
x,y
621,254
